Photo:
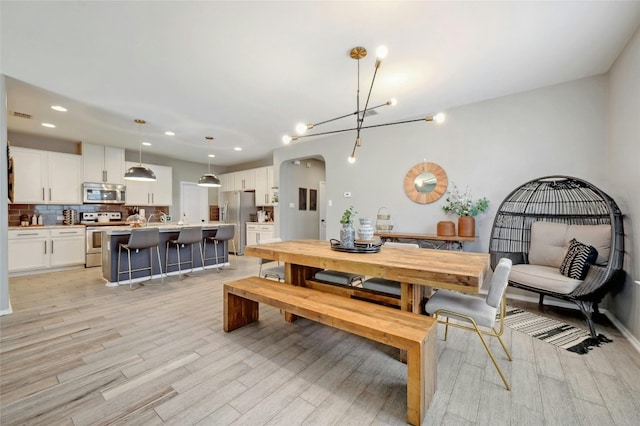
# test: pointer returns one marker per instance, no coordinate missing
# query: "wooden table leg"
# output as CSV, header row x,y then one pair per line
x,y
238,311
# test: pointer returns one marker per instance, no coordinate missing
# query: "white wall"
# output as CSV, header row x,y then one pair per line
x,y
5,303
624,174
492,146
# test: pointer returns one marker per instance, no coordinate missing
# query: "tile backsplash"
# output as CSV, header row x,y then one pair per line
x,y
50,213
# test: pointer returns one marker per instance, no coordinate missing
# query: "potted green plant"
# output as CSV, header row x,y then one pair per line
x,y
347,232
463,205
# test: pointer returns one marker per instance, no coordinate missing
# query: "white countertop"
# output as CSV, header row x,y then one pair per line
x,y
36,227
163,227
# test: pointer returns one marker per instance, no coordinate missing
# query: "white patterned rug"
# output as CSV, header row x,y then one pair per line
x,y
557,333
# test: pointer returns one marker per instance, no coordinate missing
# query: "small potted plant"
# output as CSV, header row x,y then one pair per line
x,y
347,233
463,205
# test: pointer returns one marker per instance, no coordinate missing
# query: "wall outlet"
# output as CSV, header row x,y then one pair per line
x,y
330,203
292,206
347,195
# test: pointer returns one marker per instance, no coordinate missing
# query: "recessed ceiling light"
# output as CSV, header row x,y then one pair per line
x,y
146,143
51,126
237,148
169,133
211,155
58,108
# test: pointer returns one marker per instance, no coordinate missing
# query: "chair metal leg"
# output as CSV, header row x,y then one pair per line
x,y
159,263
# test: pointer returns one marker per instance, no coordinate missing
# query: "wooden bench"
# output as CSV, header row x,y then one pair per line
x,y
412,333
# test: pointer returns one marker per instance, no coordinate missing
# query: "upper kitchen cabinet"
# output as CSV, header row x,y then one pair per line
x,y
158,193
264,186
244,180
103,164
44,177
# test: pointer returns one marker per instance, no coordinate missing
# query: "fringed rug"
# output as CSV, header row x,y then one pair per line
x,y
557,333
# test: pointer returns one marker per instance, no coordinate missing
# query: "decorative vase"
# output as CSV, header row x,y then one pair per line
x,y
446,229
466,226
347,235
365,232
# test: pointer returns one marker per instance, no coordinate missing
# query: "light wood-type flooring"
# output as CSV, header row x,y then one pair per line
x,y
76,352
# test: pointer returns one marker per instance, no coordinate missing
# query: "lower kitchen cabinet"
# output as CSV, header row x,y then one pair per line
x,y
33,249
257,232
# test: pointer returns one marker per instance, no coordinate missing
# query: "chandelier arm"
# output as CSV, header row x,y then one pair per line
x,y
361,121
428,118
350,114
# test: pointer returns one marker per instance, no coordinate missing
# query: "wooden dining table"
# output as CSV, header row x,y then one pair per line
x,y
416,269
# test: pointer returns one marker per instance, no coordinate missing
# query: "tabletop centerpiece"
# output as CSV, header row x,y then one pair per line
x,y
463,205
347,232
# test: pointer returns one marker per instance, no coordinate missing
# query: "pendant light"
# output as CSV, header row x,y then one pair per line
x,y
140,172
210,180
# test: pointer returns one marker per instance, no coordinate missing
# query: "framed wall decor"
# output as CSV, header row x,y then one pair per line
x,y
313,199
302,198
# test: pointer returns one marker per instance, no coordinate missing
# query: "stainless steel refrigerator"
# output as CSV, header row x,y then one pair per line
x,y
236,207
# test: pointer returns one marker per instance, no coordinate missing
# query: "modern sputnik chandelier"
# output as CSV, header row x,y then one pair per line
x,y
358,53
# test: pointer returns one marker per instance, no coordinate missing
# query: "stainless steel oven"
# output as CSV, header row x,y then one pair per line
x,y
96,223
94,246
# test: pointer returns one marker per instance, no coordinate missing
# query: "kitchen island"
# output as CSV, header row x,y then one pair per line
x,y
113,236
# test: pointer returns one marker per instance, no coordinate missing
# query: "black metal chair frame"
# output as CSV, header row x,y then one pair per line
x,y
562,199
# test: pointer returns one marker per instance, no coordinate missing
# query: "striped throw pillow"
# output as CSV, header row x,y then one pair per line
x,y
577,260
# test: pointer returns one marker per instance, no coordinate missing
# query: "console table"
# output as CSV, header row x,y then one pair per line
x,y
428,241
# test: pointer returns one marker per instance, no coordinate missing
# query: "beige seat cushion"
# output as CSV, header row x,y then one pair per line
x,y
543,277
598,236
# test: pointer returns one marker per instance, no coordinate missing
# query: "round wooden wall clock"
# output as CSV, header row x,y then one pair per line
x,y
425,183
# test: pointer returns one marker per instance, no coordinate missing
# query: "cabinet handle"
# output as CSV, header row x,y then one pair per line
x,y
148,197
51,246
45,247
49,194
68,232
152,198
28,233
43,194
104,176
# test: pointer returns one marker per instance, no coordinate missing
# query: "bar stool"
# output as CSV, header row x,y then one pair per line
x,y
190,235
224,233
141,239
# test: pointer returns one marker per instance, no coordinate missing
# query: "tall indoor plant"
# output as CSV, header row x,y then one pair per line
x,y
462,205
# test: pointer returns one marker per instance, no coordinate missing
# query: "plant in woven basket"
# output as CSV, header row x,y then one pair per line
x,y
348,215
462,204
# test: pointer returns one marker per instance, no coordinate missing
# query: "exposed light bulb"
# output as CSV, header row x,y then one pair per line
x,y
381,52
301,128
439,117
392,102
286,139
352,159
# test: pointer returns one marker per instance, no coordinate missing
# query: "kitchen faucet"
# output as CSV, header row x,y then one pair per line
x,y
149,220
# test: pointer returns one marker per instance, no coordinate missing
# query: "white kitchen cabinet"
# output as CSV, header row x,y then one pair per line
x,y
28,249
158,193
264,186
40,248
44,177
226,181
258,231
252,234
67,247
244,180
103,164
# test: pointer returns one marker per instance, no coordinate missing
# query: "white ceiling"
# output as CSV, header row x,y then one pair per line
x,y
247,72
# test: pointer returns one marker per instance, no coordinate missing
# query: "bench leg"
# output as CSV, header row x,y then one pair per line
x,y
421,377
238,311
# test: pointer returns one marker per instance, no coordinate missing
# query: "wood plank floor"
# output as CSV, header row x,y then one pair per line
x,y
76,352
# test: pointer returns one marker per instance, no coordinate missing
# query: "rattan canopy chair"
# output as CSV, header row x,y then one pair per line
x,y
560,200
